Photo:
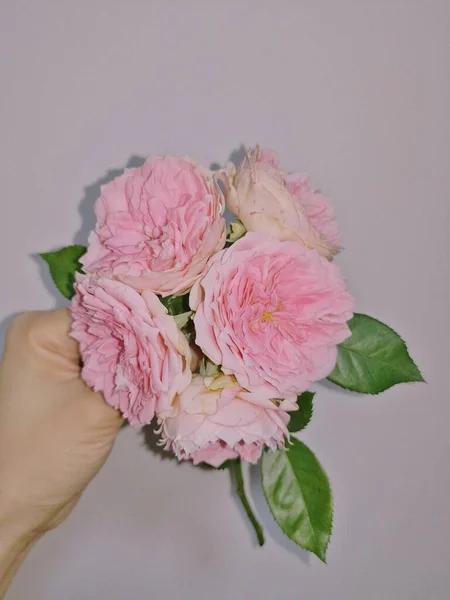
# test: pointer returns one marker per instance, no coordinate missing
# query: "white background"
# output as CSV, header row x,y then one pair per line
x,y
356,93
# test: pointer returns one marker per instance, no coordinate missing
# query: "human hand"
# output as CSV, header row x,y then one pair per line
x,y
55,433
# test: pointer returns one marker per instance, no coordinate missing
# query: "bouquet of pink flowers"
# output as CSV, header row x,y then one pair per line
x,y
215,334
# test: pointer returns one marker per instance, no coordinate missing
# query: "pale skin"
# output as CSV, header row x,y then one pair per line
x,y
55,433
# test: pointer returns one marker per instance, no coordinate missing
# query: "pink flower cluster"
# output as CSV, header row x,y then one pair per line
x,y
266,313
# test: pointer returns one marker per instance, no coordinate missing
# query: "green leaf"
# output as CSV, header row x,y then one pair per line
x,y
298,493
182,319
373,359
63,265
235,231
176,304
208,368
301,417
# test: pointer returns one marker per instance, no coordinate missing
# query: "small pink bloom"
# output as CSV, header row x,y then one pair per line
x,y
318,208
269,201
215,420
132,350
157,225
271,313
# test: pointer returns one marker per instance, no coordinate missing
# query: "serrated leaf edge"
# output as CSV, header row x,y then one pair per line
x,y
310,418
352,389
45,255
332,510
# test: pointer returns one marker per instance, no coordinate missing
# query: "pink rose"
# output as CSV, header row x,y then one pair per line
x,y
216,420
157,225
132,350
268,201
271,313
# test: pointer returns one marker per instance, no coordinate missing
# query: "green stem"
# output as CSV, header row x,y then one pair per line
x,y
240,490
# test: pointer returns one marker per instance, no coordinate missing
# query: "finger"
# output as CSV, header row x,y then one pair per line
x,y
99,413
49,330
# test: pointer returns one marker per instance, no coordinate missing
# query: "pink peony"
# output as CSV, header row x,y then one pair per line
x,y
157,225
271,313
217,420
132,350
268,201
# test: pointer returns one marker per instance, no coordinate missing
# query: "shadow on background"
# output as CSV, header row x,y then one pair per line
x,y
92,192
236,157
3,329
254,493
151,439
46,278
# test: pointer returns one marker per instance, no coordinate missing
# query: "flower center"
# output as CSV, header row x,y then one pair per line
x,y
267,317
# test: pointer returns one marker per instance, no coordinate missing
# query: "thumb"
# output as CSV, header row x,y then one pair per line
x,y
50,332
